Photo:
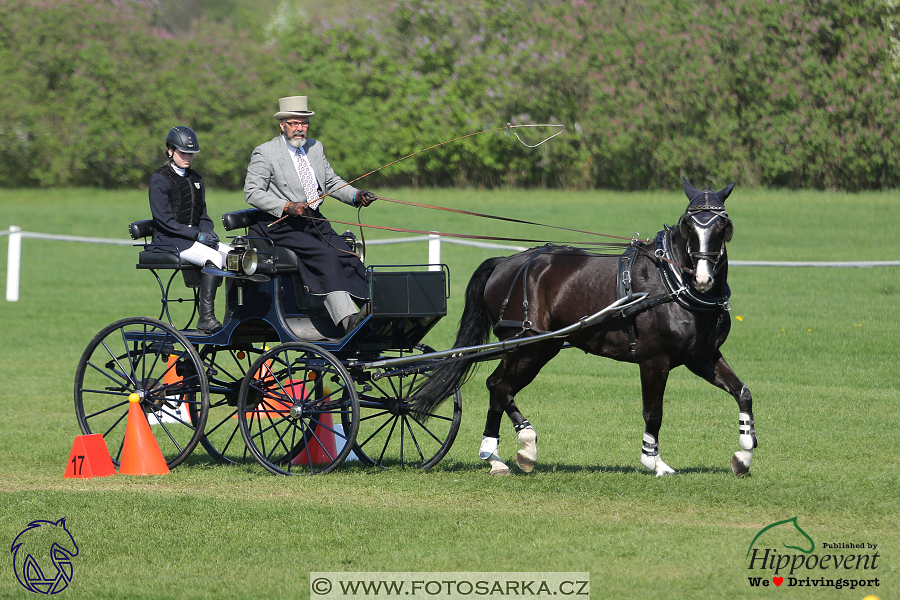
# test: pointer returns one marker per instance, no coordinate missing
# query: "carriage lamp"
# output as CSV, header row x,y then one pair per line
x,y
242,258
357,246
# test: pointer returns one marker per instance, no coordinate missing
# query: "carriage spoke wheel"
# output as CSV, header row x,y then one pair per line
x,y
390,433
145,356
226,369
298,410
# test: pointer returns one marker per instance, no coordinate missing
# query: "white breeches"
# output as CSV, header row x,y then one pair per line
x,y
198,254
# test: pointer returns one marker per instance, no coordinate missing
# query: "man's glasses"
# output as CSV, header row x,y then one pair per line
x,y
296,124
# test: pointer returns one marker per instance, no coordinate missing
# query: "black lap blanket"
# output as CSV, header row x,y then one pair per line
x,y
326,263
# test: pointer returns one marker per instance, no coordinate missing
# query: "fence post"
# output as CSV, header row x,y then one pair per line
x,y
14,258
434,252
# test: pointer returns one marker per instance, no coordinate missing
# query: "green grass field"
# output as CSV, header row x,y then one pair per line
x,y
817,347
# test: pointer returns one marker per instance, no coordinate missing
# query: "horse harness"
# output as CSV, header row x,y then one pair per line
x,y
671,273
677,290
718,212
525,324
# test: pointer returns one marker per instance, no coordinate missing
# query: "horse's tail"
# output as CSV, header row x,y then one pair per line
x,y
474,330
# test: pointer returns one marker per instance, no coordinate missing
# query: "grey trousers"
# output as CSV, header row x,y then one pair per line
x,y
340,306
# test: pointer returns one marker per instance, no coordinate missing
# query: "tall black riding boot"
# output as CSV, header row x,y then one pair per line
x,y
230,300
207,322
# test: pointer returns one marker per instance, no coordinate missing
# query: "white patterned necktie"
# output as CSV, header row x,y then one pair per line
x,y
309,182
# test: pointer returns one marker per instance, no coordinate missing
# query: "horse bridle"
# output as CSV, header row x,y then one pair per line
x,y
718,212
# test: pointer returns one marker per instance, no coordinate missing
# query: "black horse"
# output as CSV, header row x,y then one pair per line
x,y
682,320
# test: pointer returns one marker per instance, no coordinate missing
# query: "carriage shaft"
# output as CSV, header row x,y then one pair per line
x,y
620,304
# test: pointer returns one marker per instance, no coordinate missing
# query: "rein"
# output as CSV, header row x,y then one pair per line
x,y
507,219
509,128
474,237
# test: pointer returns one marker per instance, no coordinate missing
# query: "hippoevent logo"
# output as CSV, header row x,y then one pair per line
x,y
784,554
42,556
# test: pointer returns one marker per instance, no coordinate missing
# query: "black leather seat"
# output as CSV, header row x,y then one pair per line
x,y
162,257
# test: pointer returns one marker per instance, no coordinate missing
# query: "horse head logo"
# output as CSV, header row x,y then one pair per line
x,y
42,556
788,533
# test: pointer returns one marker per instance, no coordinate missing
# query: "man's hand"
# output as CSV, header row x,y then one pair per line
x,y
209,238
364,197
295,209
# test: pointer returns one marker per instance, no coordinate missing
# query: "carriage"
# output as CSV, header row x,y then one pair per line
x,y
281,385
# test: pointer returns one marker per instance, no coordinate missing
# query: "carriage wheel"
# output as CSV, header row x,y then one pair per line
x,y
298,410
147,356
226,369
389,434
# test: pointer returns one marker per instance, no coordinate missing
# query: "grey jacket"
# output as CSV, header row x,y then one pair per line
x,y
272,179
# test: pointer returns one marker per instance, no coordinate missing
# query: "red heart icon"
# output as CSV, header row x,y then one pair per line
x,y
778,580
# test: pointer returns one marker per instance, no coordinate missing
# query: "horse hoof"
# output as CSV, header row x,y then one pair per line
x,y
525,463
738,467
655,464
664,470
498,467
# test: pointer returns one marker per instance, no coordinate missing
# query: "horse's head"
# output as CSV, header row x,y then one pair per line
x,y
705,228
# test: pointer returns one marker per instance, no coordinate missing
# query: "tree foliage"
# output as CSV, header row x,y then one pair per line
x,y
763,92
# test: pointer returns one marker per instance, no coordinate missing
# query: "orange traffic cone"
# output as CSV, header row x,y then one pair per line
x,y
171,377
140,452
89,458
322,447
269,407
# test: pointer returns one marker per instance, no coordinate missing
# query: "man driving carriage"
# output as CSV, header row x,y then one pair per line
x,y
288,176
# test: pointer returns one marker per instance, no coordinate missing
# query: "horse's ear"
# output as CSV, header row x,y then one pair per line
x,y
689,190
729,231
725,193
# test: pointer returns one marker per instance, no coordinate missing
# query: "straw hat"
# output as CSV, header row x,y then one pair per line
x,y
292,106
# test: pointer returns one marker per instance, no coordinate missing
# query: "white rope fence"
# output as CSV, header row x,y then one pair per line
x,y
15,233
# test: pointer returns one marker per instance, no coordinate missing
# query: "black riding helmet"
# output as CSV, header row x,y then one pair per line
x,y
183,138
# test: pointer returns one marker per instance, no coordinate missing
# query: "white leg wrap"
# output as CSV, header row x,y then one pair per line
x,y
489,446
649,452
527,455
650,457
747,432
488,452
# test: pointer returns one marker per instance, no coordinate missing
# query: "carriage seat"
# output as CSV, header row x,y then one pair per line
x,y
272,259
162,258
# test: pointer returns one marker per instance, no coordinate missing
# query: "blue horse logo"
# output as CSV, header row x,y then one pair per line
x,y
42,556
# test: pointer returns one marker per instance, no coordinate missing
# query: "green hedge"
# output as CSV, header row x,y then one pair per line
x,y
90,90
763,92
